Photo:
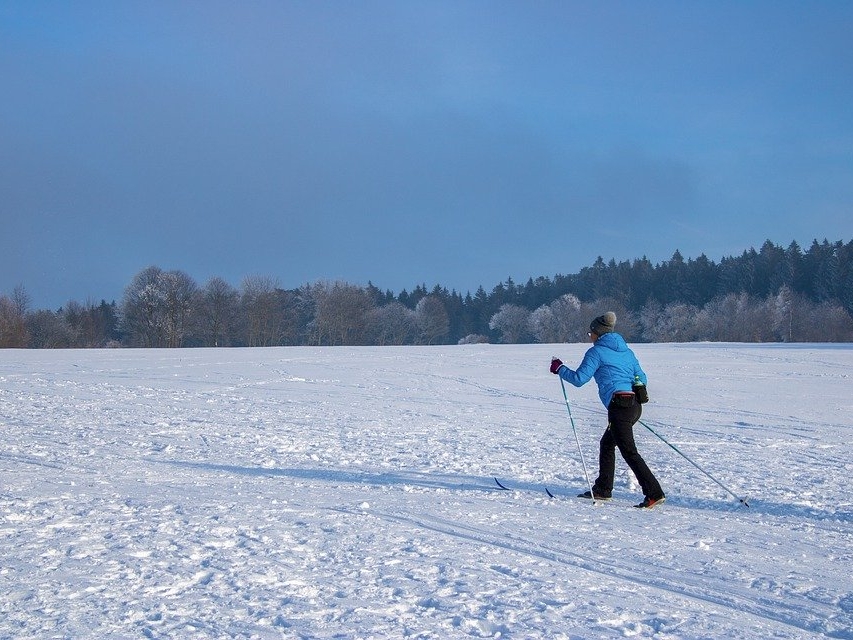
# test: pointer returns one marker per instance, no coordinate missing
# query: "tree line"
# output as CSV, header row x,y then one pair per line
x,y
773,294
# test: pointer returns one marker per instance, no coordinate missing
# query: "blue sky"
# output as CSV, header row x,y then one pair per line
x,y
404,143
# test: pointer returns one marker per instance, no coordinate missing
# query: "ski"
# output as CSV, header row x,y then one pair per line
x,y
502,487
598,501
588,496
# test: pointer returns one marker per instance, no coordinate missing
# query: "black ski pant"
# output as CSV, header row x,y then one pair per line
x,y
620,434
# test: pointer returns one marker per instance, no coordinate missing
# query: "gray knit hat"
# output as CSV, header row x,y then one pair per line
x,y
603,324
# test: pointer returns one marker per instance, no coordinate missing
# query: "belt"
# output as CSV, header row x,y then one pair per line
x,y
623,394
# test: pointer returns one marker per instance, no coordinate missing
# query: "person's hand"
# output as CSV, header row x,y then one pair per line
x,y
556,363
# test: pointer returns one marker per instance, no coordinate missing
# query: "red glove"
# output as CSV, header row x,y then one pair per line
x,y
556,363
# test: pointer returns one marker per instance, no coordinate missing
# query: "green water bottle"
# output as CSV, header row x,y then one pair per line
x,y
640,391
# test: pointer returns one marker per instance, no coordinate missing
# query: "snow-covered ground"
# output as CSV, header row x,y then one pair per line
x,y
349,493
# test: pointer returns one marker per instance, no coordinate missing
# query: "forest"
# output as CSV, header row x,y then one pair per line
x,y
772,294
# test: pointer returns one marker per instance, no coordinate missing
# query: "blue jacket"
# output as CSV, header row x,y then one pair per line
x,y
611,363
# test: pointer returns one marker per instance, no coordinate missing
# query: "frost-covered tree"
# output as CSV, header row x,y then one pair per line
x,y
432,320
559,321
392,324
675,322
782,306
735,318
512,322
568,320
142,309
829,323
158,308
542,325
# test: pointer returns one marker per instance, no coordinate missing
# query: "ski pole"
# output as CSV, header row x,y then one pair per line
x,y
575,431
674,448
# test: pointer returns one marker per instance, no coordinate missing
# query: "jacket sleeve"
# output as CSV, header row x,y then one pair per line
x,y
584,373
638,372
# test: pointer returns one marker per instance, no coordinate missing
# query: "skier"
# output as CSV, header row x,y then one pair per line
x,y
615,369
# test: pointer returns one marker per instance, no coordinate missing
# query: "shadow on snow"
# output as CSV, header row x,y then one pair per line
x,y
457,482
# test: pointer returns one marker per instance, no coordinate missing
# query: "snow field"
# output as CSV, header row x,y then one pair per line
x,y
349,493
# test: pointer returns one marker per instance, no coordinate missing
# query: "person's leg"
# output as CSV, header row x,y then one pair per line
x,y
622,421
603,485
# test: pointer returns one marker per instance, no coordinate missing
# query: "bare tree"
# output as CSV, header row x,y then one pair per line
x,y
180,301
21,300
74,316
218,308
260,308
47,330
293,316
340,314
13,329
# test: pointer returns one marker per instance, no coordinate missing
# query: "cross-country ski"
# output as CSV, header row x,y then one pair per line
x,y
503,487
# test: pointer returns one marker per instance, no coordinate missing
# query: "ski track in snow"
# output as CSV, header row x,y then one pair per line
x,y
349,493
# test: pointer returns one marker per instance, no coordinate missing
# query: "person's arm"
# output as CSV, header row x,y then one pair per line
x,y
639,373
584,373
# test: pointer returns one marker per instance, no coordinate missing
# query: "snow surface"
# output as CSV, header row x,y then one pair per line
x,y
349,493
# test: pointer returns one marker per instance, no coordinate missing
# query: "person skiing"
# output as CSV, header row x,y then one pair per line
x,y
615,369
